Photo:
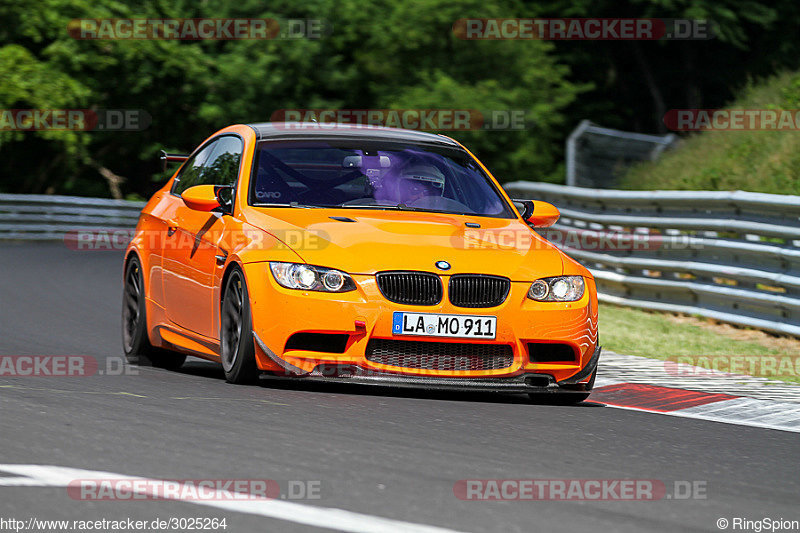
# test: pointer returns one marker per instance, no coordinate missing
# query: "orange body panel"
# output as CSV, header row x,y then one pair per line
x,y
185,254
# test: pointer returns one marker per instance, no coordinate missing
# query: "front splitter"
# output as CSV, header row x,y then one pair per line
x,y
524,383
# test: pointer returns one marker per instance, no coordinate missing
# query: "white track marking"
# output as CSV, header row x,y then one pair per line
x,y
322,517
617,368
762,403
769,417
761,413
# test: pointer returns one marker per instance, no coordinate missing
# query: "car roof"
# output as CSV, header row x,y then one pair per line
x,y
309,130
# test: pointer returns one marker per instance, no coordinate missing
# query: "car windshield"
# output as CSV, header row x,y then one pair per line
x,y
373,175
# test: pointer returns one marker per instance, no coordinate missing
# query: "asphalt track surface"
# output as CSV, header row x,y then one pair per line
x,y
383,453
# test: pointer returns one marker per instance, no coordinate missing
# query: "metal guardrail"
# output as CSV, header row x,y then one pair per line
x,y
595,155
46,217
730,256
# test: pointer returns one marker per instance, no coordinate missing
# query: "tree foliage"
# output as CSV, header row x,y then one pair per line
x,y
380,55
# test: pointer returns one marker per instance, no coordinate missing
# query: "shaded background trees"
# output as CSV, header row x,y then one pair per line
x,y
380,55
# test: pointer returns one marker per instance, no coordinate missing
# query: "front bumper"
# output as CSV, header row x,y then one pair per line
x,y
364,315
523,383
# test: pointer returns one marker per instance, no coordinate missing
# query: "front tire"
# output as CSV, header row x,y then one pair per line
x,y
135,342
564,398
558,398
237,347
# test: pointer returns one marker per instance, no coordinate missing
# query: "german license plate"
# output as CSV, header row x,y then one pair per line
x,y
438,325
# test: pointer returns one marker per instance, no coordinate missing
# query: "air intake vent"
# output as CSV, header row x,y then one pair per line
x,y
318,342
411,288
545,352
478,290
440,355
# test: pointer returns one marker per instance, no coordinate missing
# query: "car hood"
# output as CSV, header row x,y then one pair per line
x,y
378,240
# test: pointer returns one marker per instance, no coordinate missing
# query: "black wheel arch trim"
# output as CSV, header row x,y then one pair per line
x,y
285,365
587,371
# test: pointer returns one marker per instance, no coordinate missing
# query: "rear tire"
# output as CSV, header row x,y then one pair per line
x,y
237,346
135,342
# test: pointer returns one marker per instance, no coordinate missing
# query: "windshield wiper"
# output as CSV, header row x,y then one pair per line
x,y
399,207
291,204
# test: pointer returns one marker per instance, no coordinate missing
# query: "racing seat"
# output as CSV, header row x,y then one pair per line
x,y
271,187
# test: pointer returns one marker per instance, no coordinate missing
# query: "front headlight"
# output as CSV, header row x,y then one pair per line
x,y
557,289
311,278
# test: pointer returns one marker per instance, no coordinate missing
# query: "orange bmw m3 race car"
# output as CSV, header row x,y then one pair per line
x,y
356,254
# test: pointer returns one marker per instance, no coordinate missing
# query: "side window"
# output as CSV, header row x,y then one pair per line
x,y
223,165
193,170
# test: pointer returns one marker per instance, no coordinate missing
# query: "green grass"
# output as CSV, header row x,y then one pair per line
x,y
636,332
760,161
654,335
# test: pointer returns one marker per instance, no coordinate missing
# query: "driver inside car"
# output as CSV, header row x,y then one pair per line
x,y
420,181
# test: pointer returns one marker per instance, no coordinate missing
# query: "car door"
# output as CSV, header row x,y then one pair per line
x,y
193,256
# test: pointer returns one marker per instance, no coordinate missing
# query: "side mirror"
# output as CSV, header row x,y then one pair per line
x,y
539,214
201,197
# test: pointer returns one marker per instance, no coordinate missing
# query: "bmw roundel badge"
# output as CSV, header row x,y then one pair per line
x,y
442,265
